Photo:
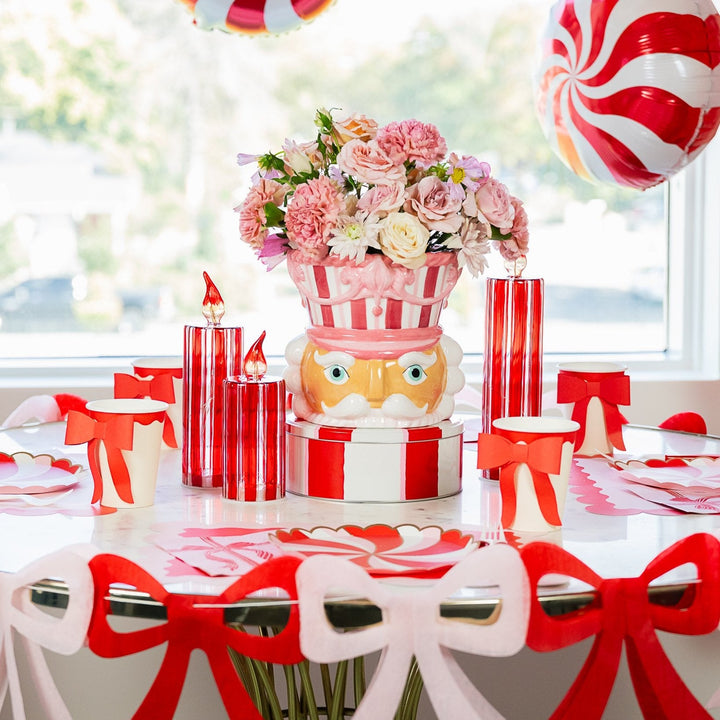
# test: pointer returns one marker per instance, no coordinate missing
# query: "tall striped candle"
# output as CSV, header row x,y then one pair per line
x,y
512,370
211,353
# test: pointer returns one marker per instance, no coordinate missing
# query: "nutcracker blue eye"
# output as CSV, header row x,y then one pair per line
x,y
414,374
336,374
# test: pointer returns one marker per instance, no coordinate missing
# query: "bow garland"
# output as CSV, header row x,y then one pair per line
x,y
194,622
37,629
621,613
412,626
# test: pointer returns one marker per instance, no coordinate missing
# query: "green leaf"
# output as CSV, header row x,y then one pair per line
x,y
274,215
497,235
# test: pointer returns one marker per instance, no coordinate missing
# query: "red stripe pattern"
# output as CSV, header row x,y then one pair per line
x,y
376,295
254,16
627,90
374,464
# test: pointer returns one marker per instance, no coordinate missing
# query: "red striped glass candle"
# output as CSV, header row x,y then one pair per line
x,y
211,353
254,439
512,371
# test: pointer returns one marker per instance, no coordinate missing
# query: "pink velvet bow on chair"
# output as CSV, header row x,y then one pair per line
x,y
37,629
412,626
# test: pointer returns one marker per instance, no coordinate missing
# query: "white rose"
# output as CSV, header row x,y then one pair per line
x,y
403,238
297,158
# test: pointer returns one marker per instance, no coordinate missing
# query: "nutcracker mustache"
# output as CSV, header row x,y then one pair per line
x,y
355,405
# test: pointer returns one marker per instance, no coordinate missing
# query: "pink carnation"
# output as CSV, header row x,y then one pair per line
x,y
518,244
368,163
382,199
252,211
311,215
412,141
431,201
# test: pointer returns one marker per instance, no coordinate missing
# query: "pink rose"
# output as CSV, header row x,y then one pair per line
x,y
495,203
518,244
253,228
433,204
369,164
382,199
412,141
311,215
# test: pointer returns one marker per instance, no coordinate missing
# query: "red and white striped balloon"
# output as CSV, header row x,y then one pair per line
x,y
628,91
254,17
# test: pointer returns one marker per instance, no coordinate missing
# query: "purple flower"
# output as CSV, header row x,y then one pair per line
x,y
246,159
272,253
466,172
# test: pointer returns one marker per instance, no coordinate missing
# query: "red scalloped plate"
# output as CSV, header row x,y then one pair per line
x,y
382,549
24,474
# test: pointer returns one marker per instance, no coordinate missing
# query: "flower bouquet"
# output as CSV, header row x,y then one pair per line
x,y
359,189
376,224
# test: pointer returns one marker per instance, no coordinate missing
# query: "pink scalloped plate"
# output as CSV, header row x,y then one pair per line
x,y
382,549
24,474
701,474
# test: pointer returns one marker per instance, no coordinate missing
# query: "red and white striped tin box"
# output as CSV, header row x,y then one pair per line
x,y
374,464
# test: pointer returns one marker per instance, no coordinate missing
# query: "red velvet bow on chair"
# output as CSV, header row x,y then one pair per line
x,y
542,456
623,612
612,391
159,387
117,435
194,622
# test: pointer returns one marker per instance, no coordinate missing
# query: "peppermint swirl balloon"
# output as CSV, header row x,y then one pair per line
x,y
628,91
254,16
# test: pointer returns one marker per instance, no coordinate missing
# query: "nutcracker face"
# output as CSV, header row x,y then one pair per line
x,y
332,387
339,385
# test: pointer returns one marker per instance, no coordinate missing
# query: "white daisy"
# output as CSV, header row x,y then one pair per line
x,y
352,236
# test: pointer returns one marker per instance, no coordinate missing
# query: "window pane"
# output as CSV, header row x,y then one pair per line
x,y
121,122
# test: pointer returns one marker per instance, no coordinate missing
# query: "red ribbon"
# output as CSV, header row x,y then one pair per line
x,y
117,435
543,456
612,390
159,387
621,612
194,622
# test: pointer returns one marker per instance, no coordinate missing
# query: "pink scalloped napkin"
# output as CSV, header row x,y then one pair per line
x,y
657,485
218,551
683,501
603,492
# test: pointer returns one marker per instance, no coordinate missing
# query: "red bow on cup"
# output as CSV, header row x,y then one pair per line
x,y
623,612
159,387
117,435
194,622
612,391
542,456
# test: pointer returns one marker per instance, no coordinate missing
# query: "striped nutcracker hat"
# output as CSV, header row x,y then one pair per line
x,y
375,309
